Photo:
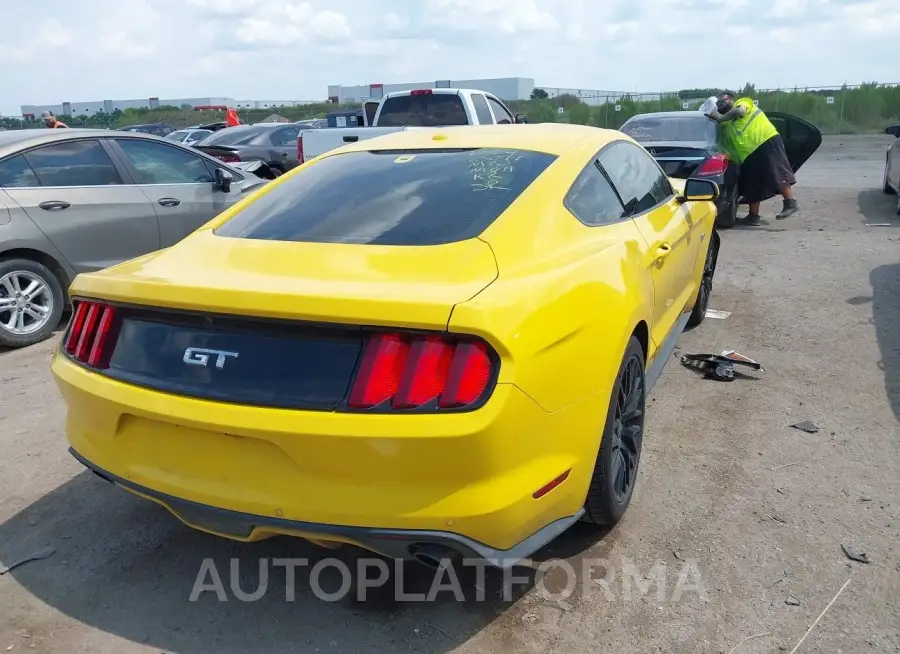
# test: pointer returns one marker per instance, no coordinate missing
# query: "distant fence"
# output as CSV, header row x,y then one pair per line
x,y
843,109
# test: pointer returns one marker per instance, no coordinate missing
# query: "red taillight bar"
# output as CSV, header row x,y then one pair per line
x,y
89,339
410,371
300,148
421,92
715,165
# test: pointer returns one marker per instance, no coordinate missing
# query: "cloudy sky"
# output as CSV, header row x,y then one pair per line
x,y
54,51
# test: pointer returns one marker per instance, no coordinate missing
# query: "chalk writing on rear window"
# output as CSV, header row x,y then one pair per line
x,y
492,169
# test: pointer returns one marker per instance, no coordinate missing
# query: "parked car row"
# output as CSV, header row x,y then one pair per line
x,y
79,200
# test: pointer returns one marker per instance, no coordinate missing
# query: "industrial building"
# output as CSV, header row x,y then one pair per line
x,y
109,106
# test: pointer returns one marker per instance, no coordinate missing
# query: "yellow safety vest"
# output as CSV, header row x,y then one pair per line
x,y
743,136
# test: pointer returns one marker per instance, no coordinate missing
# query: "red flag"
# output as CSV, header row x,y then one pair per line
x,y
231,118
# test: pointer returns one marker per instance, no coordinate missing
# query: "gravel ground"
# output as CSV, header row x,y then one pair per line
x,y
742,517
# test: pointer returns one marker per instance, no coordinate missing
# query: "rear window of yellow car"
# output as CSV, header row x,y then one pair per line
x,y
396,197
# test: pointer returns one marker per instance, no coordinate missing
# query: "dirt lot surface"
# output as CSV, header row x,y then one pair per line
x,y
729,493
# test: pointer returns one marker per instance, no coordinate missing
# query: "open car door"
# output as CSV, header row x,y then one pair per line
x,y
801,139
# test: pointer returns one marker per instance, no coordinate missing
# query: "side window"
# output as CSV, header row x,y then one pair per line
x,y
636,176
593,200
481,109
156,163
500,113
16,173
73,163
286,136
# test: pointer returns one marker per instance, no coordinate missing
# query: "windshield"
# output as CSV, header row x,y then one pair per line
x,y
409,197
430,110
692,127
177,136
233,136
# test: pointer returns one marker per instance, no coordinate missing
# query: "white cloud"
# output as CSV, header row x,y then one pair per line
x,y
260,49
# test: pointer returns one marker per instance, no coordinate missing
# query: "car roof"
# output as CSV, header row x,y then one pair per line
x,y
14,140
551,138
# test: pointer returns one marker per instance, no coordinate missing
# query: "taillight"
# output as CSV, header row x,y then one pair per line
x,y
300,148
91,334
715,165
402,372
421,92
228,158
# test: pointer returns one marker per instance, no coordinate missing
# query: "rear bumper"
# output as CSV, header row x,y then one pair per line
x,y
393,543
383,482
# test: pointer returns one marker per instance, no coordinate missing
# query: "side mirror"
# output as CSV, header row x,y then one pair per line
x,y
700,190
521,119
893,131
223,179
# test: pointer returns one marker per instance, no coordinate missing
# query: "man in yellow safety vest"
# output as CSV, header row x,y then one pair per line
x,y
748,137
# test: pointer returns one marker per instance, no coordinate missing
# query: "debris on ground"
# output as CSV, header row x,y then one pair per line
x,y
45,553
855,555
718,315
808,426
878,224
792,601
865,498
719,366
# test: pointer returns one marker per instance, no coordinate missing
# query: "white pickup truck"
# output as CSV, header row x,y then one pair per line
x,y
408,110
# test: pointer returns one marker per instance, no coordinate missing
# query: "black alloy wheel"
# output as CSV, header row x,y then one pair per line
x,y
616,468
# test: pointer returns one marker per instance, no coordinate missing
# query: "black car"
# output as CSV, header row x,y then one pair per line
x,y
685,145
272,143
156,129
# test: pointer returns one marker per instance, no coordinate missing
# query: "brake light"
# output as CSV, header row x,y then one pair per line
x,y
715,165
90,339
300,148
228,158
421,92
404,372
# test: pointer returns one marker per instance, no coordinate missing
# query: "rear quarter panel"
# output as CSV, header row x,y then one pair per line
x,y
567,298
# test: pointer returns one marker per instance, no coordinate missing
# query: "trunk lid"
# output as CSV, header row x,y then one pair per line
x,y
353,284
679,159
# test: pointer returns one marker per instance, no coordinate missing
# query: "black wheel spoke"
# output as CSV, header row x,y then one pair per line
x,y
628,428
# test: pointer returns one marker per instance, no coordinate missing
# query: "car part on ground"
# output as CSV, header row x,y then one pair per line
x,y
719,366
384,330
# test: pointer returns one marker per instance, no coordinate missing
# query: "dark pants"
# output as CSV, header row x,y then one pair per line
x,y
766,172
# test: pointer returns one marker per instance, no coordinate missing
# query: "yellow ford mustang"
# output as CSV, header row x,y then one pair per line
x,y
434,343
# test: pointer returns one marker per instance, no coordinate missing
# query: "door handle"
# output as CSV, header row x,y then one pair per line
x,y
54,205
662,251
169,202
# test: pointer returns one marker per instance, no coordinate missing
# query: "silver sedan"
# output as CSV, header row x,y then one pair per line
x,y
79,200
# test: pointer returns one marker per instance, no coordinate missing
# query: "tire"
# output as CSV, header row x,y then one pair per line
x,y
729,218
616,468
898,204
16,276
698,313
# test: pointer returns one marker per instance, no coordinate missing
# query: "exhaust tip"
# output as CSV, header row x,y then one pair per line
x,y
432,555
